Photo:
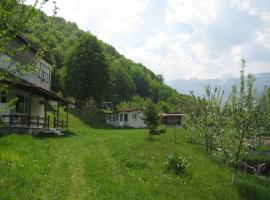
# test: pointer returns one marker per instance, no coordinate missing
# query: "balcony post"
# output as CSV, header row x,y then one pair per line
x,y
57,114
38,121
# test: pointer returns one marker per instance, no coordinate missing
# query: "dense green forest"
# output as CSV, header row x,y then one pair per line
x,y
126,79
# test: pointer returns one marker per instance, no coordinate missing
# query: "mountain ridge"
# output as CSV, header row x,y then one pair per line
x,y
184,86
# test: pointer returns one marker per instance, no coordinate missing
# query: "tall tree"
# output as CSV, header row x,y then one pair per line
x,y
86,70
242,110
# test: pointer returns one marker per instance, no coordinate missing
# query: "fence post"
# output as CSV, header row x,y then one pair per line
x,y
48,121
54,122
38,121
10,120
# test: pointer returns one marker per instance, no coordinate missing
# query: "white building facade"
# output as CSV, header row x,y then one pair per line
x,y
31,90
126,118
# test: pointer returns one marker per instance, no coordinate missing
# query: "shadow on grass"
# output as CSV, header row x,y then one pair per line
x,y
41,136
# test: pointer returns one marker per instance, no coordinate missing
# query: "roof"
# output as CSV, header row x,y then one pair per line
x,y
128,110
172,114
26,86
33,48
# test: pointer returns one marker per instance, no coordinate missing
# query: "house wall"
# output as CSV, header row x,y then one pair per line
x,y
37,107
40,77
34,106
132,122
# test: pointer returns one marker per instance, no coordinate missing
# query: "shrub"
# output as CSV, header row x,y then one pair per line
x,y
177,163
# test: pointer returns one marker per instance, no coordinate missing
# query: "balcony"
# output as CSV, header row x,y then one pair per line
x,y
32,122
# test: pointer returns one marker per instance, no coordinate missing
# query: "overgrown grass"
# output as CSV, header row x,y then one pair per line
x,y
102,163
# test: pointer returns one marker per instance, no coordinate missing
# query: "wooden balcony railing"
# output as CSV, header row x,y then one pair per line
x,y
26,121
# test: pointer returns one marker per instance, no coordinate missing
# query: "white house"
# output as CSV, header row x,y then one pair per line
x,y
32,91
126,118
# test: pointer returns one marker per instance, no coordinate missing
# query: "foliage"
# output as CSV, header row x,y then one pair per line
x,y
242,111
177,163
264,111
205,123
126,78
230,127
86,70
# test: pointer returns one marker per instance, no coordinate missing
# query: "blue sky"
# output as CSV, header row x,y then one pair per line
x,y
180,38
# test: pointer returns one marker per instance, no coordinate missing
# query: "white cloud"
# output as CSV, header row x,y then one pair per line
x,y
102,17
189,11
195,38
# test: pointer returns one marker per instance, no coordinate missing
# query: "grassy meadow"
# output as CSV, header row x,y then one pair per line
x,y
105,163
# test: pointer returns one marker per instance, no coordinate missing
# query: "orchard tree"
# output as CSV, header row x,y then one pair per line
x,y
242,112
86,70
205,122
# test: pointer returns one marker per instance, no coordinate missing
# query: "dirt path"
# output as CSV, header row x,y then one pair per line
x,y
77,186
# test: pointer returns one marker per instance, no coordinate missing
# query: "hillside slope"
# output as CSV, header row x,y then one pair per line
x,y
104,163
127,78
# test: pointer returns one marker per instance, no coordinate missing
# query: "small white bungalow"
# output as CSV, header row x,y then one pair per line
x,y
126,118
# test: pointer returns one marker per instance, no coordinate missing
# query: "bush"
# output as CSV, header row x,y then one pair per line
x,y
177,163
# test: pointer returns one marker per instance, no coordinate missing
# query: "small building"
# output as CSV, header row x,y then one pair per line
x,y
126,118
172,119
32,91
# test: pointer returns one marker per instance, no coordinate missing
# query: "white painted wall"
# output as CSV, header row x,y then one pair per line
x,y
132,122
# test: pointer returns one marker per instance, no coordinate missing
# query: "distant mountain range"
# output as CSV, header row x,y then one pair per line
x,y
198,85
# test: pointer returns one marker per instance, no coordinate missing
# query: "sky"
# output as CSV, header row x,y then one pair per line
x,y
180,38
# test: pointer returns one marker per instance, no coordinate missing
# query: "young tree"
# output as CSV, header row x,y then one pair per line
x,y
151,116
205,122
86,70
242,110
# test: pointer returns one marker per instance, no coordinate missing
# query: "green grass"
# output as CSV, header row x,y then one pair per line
x,y
96,162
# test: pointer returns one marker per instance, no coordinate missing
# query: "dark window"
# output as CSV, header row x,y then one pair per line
x,y
3,97
121,117
126,117
21,104
117,116
113,117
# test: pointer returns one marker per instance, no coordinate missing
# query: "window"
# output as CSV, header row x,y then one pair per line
x,y
126,117
44,72
21,104
3,97
110,117
134,116
121,117
117,117
113,117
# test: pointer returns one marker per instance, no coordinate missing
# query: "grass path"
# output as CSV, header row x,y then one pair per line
x,y
112,164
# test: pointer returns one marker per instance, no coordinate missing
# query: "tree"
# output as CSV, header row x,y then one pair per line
x,y
205,122
151,116
242,110
86,70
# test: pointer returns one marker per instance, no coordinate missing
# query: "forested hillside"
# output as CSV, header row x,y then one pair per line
x,y
126,79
